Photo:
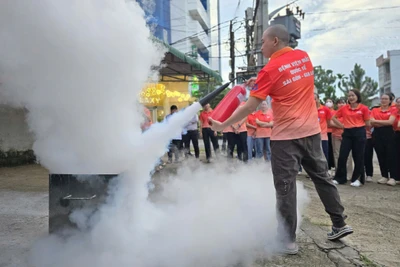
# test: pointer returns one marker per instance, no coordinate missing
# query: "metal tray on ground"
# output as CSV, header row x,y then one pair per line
x,y
68,192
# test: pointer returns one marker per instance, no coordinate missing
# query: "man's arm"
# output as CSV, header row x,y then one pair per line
x,y
240,113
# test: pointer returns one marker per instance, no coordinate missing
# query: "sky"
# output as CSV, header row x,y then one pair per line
x,y
334,36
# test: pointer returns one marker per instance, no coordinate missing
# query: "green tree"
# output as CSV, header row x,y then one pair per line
x,y
358,80
325,81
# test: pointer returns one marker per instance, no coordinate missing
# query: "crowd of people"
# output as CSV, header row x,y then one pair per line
x,y
350,133
298,131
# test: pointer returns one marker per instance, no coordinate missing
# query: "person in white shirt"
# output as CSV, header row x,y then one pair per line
x,y
175,143
191,134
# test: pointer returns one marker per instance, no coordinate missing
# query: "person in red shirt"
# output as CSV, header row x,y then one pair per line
x,y
288,78
324,118
331,157
337,132
355,117
264,121
146,119
251,134
207,133
382,120
237,136
396,128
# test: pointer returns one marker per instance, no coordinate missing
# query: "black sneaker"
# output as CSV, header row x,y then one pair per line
x,y
338,233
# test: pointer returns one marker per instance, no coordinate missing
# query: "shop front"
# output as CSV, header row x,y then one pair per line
x,y
180,76
159,97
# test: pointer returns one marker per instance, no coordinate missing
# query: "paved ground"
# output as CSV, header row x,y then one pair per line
x,y
373,210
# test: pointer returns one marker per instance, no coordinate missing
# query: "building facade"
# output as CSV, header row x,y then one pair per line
x,y
389,72
191,28
195,30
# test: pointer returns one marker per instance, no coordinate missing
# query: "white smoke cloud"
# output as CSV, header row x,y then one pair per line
x,y
78,67
215,216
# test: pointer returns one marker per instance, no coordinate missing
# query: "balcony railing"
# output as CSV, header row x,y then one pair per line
x,y
197,12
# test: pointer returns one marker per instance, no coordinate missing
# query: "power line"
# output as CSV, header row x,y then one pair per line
x,y
241,54
346,27
201,32
227,56
353,10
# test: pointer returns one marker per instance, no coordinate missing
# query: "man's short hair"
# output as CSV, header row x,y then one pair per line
x,y
279,31
173,107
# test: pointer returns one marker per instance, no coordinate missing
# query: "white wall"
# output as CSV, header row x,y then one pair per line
x,y
215,51
14,133
182,25
395,71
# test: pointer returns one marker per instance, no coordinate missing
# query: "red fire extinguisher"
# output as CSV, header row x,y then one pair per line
x,y
229,103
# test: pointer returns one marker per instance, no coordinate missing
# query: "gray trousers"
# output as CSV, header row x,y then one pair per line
x,y
287,155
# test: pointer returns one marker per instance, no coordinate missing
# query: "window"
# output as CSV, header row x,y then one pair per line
x,y
204,3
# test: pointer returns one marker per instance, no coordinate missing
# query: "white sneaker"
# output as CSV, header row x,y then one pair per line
x,y
335,182
369,179
383,180
391,182
356,183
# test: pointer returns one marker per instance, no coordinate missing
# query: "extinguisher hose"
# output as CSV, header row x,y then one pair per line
x,y
207,99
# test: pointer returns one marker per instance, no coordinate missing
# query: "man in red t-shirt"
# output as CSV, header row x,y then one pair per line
x,y
295,139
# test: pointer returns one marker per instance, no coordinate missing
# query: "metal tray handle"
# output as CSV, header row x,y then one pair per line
x,y
70,197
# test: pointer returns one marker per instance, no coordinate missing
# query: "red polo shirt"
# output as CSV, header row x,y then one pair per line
x,y
353,118
264,132
396,121
379,114
251,119
337,132
205,123
289,79
324,114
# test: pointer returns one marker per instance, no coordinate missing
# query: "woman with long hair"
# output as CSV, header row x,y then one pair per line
x,y
355,117
382,120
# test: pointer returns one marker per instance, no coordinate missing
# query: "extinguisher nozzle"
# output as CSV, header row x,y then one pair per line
x,y
207,99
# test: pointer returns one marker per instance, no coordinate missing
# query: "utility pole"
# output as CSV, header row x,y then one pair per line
x,y
232,50
249,37
261,24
